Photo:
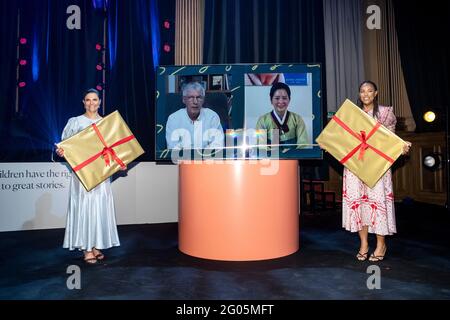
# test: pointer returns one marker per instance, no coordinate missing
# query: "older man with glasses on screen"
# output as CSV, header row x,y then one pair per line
x,y
194,127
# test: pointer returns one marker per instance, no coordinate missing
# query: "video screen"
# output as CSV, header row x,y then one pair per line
x,y
238,112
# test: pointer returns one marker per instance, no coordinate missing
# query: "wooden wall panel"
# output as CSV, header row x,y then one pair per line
x,y
189,22
411,179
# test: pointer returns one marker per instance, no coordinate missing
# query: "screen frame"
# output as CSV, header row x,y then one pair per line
x,y
237,92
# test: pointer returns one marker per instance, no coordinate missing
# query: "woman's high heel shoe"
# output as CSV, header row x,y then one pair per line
x,y
378,258
362,256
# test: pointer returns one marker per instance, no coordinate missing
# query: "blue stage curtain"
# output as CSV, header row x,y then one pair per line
x,y
134,28
8,40
61,65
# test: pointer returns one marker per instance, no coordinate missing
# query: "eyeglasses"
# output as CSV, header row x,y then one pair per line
x,y
192,98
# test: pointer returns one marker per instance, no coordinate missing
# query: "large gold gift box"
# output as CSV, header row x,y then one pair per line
x,y
101,149
360,143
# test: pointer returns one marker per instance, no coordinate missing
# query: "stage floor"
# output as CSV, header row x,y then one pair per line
x,y
148,265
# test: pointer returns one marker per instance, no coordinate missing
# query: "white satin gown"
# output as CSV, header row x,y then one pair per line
x,y
91,220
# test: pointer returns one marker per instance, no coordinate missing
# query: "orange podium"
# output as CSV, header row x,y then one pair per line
x,y
239,210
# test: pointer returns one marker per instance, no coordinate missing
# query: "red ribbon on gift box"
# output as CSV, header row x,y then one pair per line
x,y
106,152
363,146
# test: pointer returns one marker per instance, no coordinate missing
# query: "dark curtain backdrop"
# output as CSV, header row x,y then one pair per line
x,y
61,66
267,31
423,30
8,40
131,72
263,31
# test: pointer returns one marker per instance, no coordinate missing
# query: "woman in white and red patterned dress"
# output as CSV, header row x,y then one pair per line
x,y
366,210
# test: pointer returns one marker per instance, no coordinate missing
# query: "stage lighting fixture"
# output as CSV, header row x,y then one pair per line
x,y
429,116
166,24
100,86
432,161
23,62
22,84
23,40
99,47
167,48
438,118
100,66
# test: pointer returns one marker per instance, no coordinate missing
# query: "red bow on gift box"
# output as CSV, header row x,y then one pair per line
x,y
106,152
363,146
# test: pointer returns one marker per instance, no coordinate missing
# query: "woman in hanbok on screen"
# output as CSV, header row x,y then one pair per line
x,y
289,125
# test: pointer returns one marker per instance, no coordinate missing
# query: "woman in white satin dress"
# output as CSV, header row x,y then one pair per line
x,y
91,222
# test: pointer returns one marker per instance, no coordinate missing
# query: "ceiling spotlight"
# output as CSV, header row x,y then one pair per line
x,y
23,40
23,62
100,66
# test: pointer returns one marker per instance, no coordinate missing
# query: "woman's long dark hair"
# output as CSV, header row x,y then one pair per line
x,y
375,100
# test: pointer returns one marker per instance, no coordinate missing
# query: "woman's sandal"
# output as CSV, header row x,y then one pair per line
x,y
378,258
375,258
90,260
362,256
99,255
